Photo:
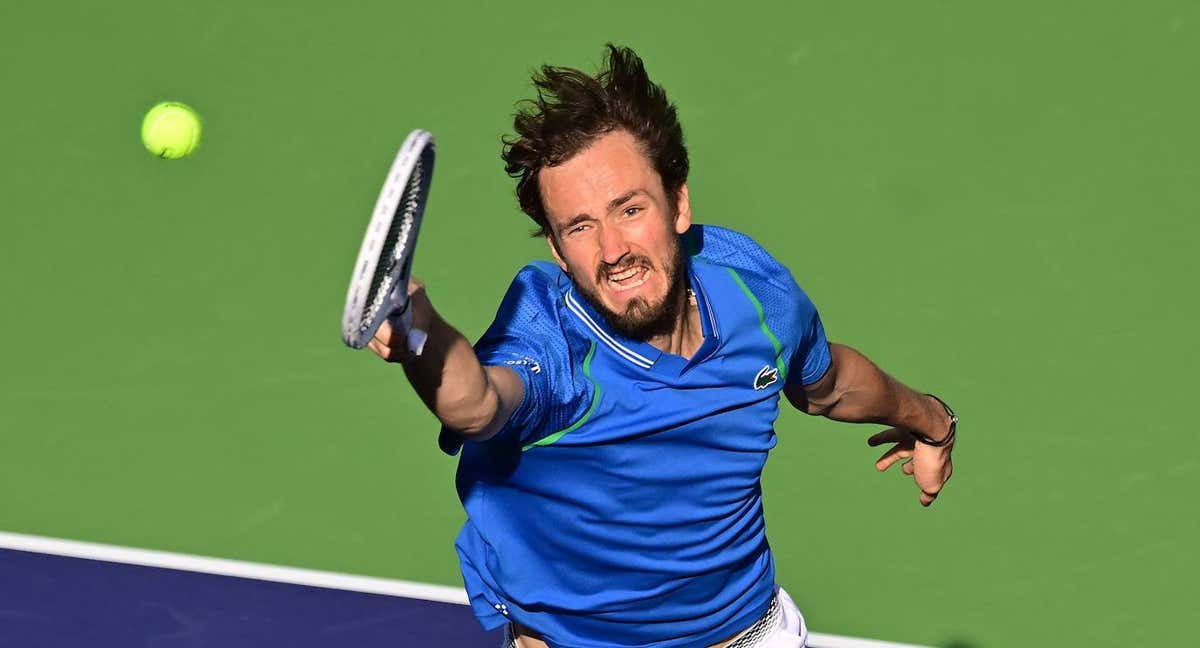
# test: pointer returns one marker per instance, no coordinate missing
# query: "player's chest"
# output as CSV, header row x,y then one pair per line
x,y
729,397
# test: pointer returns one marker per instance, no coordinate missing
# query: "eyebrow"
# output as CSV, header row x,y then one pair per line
x,y
616,202
612,204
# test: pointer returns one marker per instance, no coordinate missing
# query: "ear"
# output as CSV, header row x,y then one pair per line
x,y
683,210
554,251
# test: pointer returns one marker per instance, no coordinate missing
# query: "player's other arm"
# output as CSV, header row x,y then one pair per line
x,y
467,397
855,390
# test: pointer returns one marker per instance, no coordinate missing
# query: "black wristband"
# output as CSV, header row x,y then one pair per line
x,y
953,428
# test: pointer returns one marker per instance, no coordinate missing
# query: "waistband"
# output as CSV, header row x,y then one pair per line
x,y
751,637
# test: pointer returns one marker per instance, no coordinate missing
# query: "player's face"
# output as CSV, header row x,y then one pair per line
x,y
614,232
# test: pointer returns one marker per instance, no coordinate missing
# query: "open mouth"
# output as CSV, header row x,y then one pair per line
x,y
628,279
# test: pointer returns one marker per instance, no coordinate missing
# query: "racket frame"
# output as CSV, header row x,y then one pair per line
x,y
418,147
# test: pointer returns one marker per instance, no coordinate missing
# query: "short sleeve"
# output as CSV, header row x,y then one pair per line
x,y
527,337
811,359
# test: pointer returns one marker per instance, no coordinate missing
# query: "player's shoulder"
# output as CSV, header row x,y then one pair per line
x,y
737,252
540,273
781,304
540,281
534,292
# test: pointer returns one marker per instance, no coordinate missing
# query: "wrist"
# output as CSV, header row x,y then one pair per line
x,y
946,427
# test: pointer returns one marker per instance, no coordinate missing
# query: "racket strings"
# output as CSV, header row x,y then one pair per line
x,y
395,247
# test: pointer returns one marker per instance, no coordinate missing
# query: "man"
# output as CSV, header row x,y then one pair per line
x,y
615,418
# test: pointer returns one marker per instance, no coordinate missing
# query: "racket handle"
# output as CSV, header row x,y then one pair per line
x,y
416,341
402,321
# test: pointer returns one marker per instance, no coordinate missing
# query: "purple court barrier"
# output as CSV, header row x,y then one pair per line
x,y
57,601
61,593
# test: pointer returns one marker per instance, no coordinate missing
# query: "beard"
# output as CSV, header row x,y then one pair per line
x,y
641,319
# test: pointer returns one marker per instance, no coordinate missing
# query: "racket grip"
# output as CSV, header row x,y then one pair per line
x,y
416,341
402,321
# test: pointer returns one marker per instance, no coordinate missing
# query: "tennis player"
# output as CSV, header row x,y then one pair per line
x,y
615,418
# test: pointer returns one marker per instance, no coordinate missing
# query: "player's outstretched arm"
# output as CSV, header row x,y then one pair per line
x,y
855,390
473,400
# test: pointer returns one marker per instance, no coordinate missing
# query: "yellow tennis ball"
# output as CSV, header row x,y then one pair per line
x,y
171,130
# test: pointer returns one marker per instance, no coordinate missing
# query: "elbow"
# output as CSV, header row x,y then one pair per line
x,y
813,404
472,419
819,409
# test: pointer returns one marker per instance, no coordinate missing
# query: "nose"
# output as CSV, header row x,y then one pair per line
x,y
613,246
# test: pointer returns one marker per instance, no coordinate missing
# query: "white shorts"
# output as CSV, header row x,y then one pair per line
x,y
782,626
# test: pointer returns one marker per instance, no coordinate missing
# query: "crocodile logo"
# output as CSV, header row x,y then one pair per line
x,y
766,377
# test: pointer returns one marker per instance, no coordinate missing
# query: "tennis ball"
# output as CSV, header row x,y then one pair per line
x,y
171,130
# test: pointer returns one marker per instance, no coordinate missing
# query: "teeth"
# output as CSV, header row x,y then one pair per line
x,y
623,275
614,280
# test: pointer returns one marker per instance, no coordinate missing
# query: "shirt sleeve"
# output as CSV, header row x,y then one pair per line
x,y
527,337
812,357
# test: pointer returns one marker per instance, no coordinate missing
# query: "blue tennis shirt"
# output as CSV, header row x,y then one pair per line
x,y
621,505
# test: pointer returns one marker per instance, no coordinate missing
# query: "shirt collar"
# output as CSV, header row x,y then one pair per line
x,y
640,353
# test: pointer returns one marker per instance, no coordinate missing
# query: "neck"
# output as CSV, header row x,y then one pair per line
x,y
687,335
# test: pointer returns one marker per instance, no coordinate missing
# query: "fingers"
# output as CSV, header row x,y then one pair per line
x,y
890,435
931,488
388,337
379,348
384,351
892,456
384,334
930,493
932,473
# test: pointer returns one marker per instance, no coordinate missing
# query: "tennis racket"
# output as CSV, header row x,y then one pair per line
x,y
379,285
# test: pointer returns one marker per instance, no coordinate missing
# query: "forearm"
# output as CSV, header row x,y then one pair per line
x,y
451,382
864,393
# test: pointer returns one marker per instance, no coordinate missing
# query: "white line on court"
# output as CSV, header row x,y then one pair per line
x,y
237,568
300,576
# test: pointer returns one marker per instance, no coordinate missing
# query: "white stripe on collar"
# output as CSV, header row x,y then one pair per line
x,y
623,351
712,317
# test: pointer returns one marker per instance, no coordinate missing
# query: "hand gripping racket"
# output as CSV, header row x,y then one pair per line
x,y
379,285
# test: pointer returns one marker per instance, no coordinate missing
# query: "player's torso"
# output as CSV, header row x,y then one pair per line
x,y
639,515
665,425
660,472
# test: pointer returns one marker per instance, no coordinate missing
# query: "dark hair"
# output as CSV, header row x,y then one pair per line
x,y
572,109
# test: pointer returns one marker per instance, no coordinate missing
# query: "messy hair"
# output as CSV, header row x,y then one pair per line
x,y
572,109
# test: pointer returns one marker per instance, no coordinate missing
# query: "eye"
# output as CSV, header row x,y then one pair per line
x,y
632,211
577,229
